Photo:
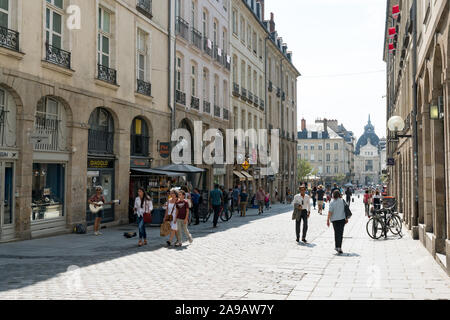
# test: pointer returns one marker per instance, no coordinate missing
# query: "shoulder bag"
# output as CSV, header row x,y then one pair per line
x,y
348,213
147,214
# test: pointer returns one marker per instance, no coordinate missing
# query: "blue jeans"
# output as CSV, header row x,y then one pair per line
x,y
141,226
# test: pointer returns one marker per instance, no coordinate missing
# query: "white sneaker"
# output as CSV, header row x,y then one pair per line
x,y
96,233
99,233
191,240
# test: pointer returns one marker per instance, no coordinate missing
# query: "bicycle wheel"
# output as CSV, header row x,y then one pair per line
x,y
394,224
374,228
225,215
207,215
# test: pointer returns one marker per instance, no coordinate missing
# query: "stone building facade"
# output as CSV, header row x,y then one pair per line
x,y
281,110
76,106
202,75
329,153
418,74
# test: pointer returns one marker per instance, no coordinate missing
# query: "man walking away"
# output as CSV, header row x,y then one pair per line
x,y
320,196
243,198
260,197
303,203
196,204
236,192
348,195
216,203
313,196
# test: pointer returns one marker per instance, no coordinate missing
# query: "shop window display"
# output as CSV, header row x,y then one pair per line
x,y
48,191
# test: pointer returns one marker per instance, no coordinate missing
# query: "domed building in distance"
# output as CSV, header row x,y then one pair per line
x,y
370,157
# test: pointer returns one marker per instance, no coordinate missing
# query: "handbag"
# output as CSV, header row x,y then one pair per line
x,y
296,214
147,215
164,229
348,213
170,216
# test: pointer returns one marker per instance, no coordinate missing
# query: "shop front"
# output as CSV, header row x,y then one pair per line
x,y
219,172
101,173
7,174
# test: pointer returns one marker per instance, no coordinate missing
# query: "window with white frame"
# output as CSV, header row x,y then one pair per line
x,y
215,34
194,80
205,24
216,91
242,29
243,74
141,55
4,14
54,13
205,85
193,14
249,36
104,37
235,22
178,73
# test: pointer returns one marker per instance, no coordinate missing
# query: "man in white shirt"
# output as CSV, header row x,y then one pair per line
x,y
303,202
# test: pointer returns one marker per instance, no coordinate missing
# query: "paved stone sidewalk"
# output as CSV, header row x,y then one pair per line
x,y
254,257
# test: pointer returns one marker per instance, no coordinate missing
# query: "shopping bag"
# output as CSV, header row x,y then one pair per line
x,y
147,217
165,229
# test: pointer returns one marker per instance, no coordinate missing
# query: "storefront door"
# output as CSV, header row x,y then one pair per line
x,y
104,178
6,194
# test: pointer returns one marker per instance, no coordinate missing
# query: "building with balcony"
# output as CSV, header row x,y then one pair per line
x,y
281,108
248,33
418,88
202,74
329,153
77,106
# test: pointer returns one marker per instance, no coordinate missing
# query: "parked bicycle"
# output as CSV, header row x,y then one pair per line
x,y
383,221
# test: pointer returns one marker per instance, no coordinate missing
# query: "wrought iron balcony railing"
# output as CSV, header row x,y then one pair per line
x,y
197,38
243,94
180,97
50,127
144,88
9,39
100,141
57,56
207,46
182,28
235,89
250,97
107,74
195,103
145,7
217,111
207,107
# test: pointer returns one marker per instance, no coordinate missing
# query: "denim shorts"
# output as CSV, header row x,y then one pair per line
x,y
100,214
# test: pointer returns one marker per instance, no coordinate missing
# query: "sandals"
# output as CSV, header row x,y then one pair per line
x,y
140,244
178,244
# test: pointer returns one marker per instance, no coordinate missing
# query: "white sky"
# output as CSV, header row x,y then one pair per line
x,y
331,38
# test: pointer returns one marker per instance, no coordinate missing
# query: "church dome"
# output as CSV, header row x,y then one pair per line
x,y
369,136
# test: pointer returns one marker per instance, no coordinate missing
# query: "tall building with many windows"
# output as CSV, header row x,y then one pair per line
x,y
202,74
80,106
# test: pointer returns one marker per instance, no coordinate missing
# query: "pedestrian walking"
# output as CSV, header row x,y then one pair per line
x,y
183,217
335,188
260,197
216,203
267,200
171,215
142,205
314,196
320,199
366,200
336,215
236,192
243,200
377,200
196,205
348,195
302,210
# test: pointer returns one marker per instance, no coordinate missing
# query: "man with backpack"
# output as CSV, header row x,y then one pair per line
x,y
195,196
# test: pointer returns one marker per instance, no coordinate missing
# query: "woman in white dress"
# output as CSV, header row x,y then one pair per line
x,y
171,215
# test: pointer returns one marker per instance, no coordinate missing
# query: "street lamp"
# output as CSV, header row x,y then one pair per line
x,y
396,125
436,109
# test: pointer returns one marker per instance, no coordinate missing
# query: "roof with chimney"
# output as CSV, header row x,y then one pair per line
x,y
317,131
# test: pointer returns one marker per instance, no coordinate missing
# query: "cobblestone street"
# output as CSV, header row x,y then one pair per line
x,y
255,257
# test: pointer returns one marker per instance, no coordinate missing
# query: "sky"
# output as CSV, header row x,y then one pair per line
x,y
338,48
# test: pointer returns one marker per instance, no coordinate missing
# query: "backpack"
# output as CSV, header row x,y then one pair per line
x,y
80,229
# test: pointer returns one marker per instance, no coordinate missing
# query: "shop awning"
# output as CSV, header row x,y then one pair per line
x,y
239,175
158,172
182,168
247,175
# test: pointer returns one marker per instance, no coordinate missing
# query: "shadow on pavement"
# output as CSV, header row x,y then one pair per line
x,y
28,262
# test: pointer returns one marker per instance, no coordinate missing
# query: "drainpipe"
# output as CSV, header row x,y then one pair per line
x,y
414,117
171,64
266,104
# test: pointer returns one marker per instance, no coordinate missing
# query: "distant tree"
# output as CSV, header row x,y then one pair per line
x,y
304,170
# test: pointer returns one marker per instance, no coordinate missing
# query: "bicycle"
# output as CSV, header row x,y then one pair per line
x,y
383,221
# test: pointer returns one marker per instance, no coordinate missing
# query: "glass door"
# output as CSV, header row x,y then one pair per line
x,y
104,178
6,193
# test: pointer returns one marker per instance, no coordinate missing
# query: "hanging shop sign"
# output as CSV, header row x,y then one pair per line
x,y
9,155
164,149
246,165
140,163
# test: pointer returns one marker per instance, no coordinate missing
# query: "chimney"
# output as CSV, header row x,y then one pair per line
x,y
325,125
303,125
262,9
272,23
